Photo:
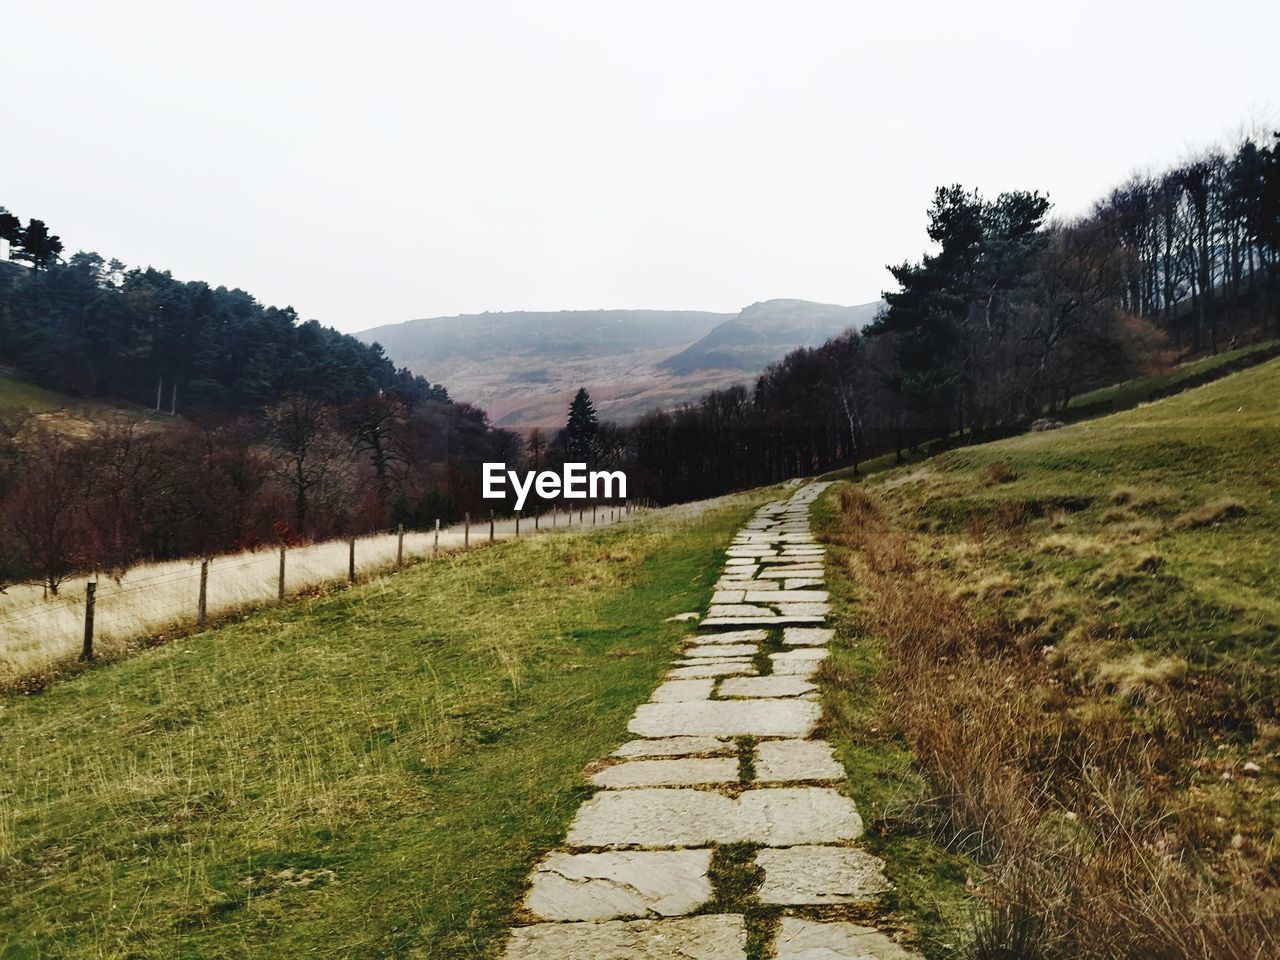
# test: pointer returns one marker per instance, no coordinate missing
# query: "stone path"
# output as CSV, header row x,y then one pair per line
x,y
725,754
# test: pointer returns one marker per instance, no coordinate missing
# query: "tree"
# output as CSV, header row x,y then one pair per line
x,y
581,435
536,446
10,227
44,510
309,455
38,246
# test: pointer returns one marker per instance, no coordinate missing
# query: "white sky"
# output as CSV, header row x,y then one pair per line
x,y
373,162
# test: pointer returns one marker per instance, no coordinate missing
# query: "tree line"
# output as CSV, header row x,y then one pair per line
x,y
95,328
137,490
1008,317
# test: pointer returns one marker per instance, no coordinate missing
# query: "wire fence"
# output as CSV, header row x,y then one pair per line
x,y
99,616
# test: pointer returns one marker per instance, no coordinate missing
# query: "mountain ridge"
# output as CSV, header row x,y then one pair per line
x,y
523,365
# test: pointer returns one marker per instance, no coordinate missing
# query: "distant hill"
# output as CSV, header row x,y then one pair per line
x,y
764,332
552,335
523,367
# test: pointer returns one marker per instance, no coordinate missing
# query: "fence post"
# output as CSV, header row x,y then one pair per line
x,y
90,590
351,560
593,514
553,516
536,518
580,511
491,526
280,593
435,545
203,608
466,531
517,523
400,546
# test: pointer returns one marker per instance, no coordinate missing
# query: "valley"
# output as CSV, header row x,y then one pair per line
x,y
523,367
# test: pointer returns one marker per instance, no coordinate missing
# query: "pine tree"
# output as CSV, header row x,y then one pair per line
x,y
582,430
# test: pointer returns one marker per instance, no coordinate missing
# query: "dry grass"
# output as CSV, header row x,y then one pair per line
x,y
1092,852
1212,512
39,635
997,472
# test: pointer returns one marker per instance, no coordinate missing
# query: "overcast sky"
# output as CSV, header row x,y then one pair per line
x,y
374,162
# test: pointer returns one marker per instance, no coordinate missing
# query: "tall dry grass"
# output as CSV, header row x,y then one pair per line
x,y
1090,842
40,634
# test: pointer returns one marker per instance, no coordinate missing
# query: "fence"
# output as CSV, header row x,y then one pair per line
x,y
97,616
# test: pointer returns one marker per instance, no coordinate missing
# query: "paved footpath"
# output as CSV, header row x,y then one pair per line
x,y
724,754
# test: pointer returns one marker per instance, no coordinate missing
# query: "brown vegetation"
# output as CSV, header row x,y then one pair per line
x,y
1094,846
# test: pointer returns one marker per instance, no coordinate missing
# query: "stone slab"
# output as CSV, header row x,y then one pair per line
x,y
729,636
672,817
680,771
803,609
793,584
800,939
737,610
807,636
784,596
782,761
676,691
713,937
675,747
799,662
696,669
722,650
820,875
606,886
771,686
727,718
767,621
800,653
782,573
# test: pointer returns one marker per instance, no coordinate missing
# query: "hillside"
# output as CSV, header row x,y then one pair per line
x,y
18,395
764,332
523,367
1074,633
75,415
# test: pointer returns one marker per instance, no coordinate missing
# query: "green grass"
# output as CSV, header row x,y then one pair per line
x,y
369,773
19,395
1087,504
1124,396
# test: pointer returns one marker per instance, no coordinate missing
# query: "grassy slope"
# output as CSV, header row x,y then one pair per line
x,y
1090,501
1142,550
1124,396
364,774
16,395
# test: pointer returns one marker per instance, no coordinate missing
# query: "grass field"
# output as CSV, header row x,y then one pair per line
x,y
365,773
1075,637
40,636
